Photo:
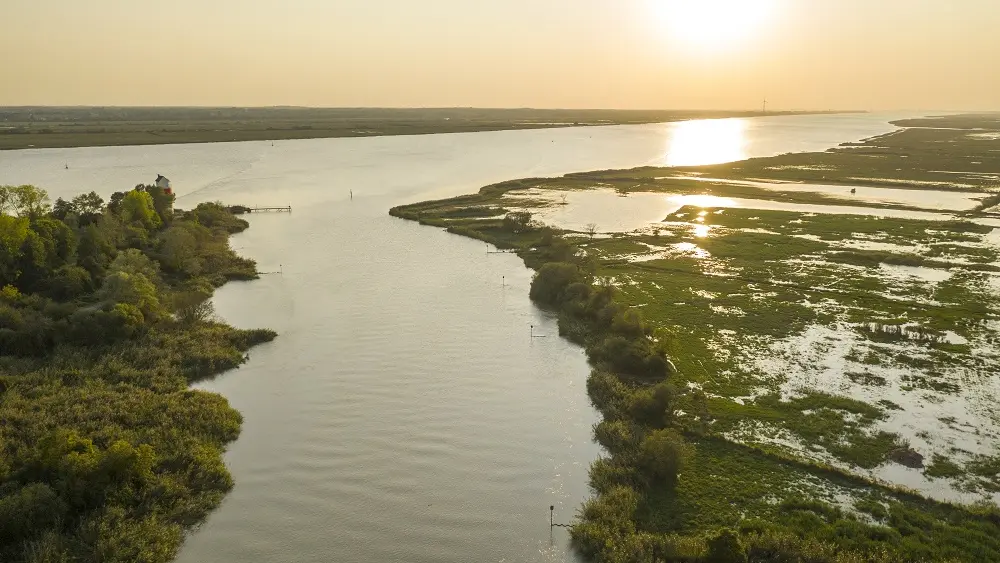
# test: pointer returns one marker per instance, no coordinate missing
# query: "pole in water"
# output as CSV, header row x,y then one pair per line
x,y
532,331
503,281
552,509
352,194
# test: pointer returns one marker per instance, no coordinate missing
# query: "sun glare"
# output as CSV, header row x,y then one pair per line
x,y
713,24
705,141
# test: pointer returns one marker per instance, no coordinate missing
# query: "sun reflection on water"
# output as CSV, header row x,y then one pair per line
x,y
701,231
706,141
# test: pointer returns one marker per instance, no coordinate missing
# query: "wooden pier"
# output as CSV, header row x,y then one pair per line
x,y
287,209
241,209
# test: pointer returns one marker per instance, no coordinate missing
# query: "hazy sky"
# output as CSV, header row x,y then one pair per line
x,y
722,54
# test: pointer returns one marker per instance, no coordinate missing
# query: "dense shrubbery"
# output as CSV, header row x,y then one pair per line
x,y
105,454
631,387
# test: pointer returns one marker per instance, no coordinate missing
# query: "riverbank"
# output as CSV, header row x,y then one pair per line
x,y
105,322
821,355
57,127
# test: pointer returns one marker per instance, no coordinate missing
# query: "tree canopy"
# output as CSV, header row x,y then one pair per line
x,y
105,453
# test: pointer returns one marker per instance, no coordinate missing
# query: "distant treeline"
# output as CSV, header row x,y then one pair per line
x,y
40,127
69,114
105,454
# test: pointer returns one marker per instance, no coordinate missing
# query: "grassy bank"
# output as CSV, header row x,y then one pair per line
x,y
106,454
50,127
821,367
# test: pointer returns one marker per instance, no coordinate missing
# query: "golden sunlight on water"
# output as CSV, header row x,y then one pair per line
x,y
706,141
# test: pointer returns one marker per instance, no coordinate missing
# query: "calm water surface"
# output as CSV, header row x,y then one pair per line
x,y
404,413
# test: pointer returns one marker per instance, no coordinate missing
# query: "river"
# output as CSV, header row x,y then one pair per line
x,y
404,413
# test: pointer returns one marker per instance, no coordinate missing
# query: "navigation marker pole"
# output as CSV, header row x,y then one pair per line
x,y
552,509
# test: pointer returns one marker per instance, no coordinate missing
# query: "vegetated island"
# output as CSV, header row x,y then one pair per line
x,y
778,384
106,454
52,127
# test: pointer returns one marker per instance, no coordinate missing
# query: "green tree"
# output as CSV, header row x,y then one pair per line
x,y
137,209
6,200
133,261
163,203
517,221
95,251
654,406
69,282
115,202
50,244
13,232
179,250
24,201
193,307
133,289
28,511
61,208
726,547
59,240
551,281
664,455
88,204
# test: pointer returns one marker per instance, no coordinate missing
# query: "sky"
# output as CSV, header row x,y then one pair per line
x,y
630,54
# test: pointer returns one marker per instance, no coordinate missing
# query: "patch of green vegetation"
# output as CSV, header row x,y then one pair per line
x,y
983,254
866,378
105,452
942,467
889,405
836,425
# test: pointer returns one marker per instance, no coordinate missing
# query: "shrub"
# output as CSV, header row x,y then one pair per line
x,y
552,280
517,222
28,512
725,547
69,282
635,357
664,455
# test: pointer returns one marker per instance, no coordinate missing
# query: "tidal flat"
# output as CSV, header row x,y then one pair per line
x,y
836,343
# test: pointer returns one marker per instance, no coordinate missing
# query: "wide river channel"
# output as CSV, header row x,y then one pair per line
x,y
404,413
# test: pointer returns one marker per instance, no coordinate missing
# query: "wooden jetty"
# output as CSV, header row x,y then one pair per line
x,y
241,209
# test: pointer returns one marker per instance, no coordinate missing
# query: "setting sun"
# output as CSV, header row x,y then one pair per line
x,y
713,24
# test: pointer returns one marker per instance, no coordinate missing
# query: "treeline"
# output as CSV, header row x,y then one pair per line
x,y
105,454
650,447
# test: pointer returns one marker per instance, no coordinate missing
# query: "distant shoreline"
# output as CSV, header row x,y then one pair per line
x,y
74,127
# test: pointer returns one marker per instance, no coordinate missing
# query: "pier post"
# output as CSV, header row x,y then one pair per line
x,y
552,509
